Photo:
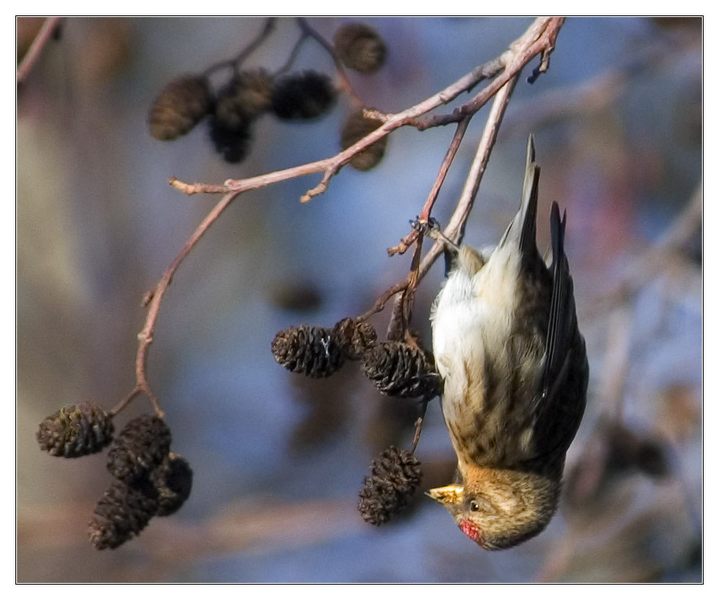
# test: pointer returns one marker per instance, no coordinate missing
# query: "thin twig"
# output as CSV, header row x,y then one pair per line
x,y
33,53
402,315
345,82
532,43
424,216
155,296
119,407
235,62
293,54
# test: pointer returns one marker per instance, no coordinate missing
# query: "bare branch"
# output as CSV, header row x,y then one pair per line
x,y
424,216
31,57
235,62
153,299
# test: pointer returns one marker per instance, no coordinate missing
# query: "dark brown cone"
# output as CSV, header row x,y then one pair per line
x,y
360,47
139,448
179,107
305,96
354,129
355,337
243,99
173,482
121,513
232,144
398,369
312,351
394,477
76,430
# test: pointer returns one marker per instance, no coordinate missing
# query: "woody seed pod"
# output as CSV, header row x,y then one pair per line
x,y
360,47
243,99
173,483
179,107
354,129
399,369
355,337
232,144
139,448
394,477
304,96
122,513
312,351
76,430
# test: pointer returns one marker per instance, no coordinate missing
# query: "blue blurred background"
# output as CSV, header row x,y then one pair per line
x,y
279,460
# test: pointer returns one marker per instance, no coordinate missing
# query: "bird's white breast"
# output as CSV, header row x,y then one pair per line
x,y
471,324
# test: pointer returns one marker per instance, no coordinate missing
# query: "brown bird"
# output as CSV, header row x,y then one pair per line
x,y
514,365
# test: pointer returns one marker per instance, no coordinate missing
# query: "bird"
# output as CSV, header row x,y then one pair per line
x,y
514,372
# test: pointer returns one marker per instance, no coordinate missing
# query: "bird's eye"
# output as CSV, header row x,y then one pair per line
x,y
474,506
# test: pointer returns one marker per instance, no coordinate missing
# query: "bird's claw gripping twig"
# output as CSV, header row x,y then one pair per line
x,y
430,228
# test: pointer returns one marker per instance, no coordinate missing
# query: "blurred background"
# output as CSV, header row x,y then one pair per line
x,y
278,459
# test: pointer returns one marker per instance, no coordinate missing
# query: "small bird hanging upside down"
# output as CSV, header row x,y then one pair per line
x,y
515,372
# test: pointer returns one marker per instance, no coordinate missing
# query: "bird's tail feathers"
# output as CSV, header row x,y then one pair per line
x,y
523,228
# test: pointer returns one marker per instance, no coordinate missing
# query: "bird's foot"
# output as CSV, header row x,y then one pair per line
x,y
430,228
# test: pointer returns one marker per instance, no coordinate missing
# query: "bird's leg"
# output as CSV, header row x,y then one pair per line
x,y
431,229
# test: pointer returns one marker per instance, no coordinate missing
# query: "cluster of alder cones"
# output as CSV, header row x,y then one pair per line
x,y
149,479
396,368
232,109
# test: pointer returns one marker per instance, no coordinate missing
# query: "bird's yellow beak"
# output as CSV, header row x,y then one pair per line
x,y
449,495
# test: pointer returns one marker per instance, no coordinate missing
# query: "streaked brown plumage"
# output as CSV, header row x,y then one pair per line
x,y
515,372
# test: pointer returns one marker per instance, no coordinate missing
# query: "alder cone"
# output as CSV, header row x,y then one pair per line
x,y
179,107
139,448
233,144
360,47
122,513
303,96
354,129
244,98
76,430
400,369
173,483
311,351
355,337
394,477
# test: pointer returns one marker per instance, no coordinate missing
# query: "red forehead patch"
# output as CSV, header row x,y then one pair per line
x,y
470,530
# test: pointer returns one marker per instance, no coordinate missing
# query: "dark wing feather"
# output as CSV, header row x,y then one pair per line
x,y
562,312
560,401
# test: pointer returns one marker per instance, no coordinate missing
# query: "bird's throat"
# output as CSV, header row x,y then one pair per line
x,y
470,530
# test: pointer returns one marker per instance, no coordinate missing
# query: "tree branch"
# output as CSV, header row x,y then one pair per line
x,y
31,57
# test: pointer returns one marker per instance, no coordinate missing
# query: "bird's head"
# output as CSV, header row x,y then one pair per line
x,y
502,510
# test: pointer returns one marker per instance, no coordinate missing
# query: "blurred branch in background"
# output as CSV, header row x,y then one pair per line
x,y
48,31
603,89
668,256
